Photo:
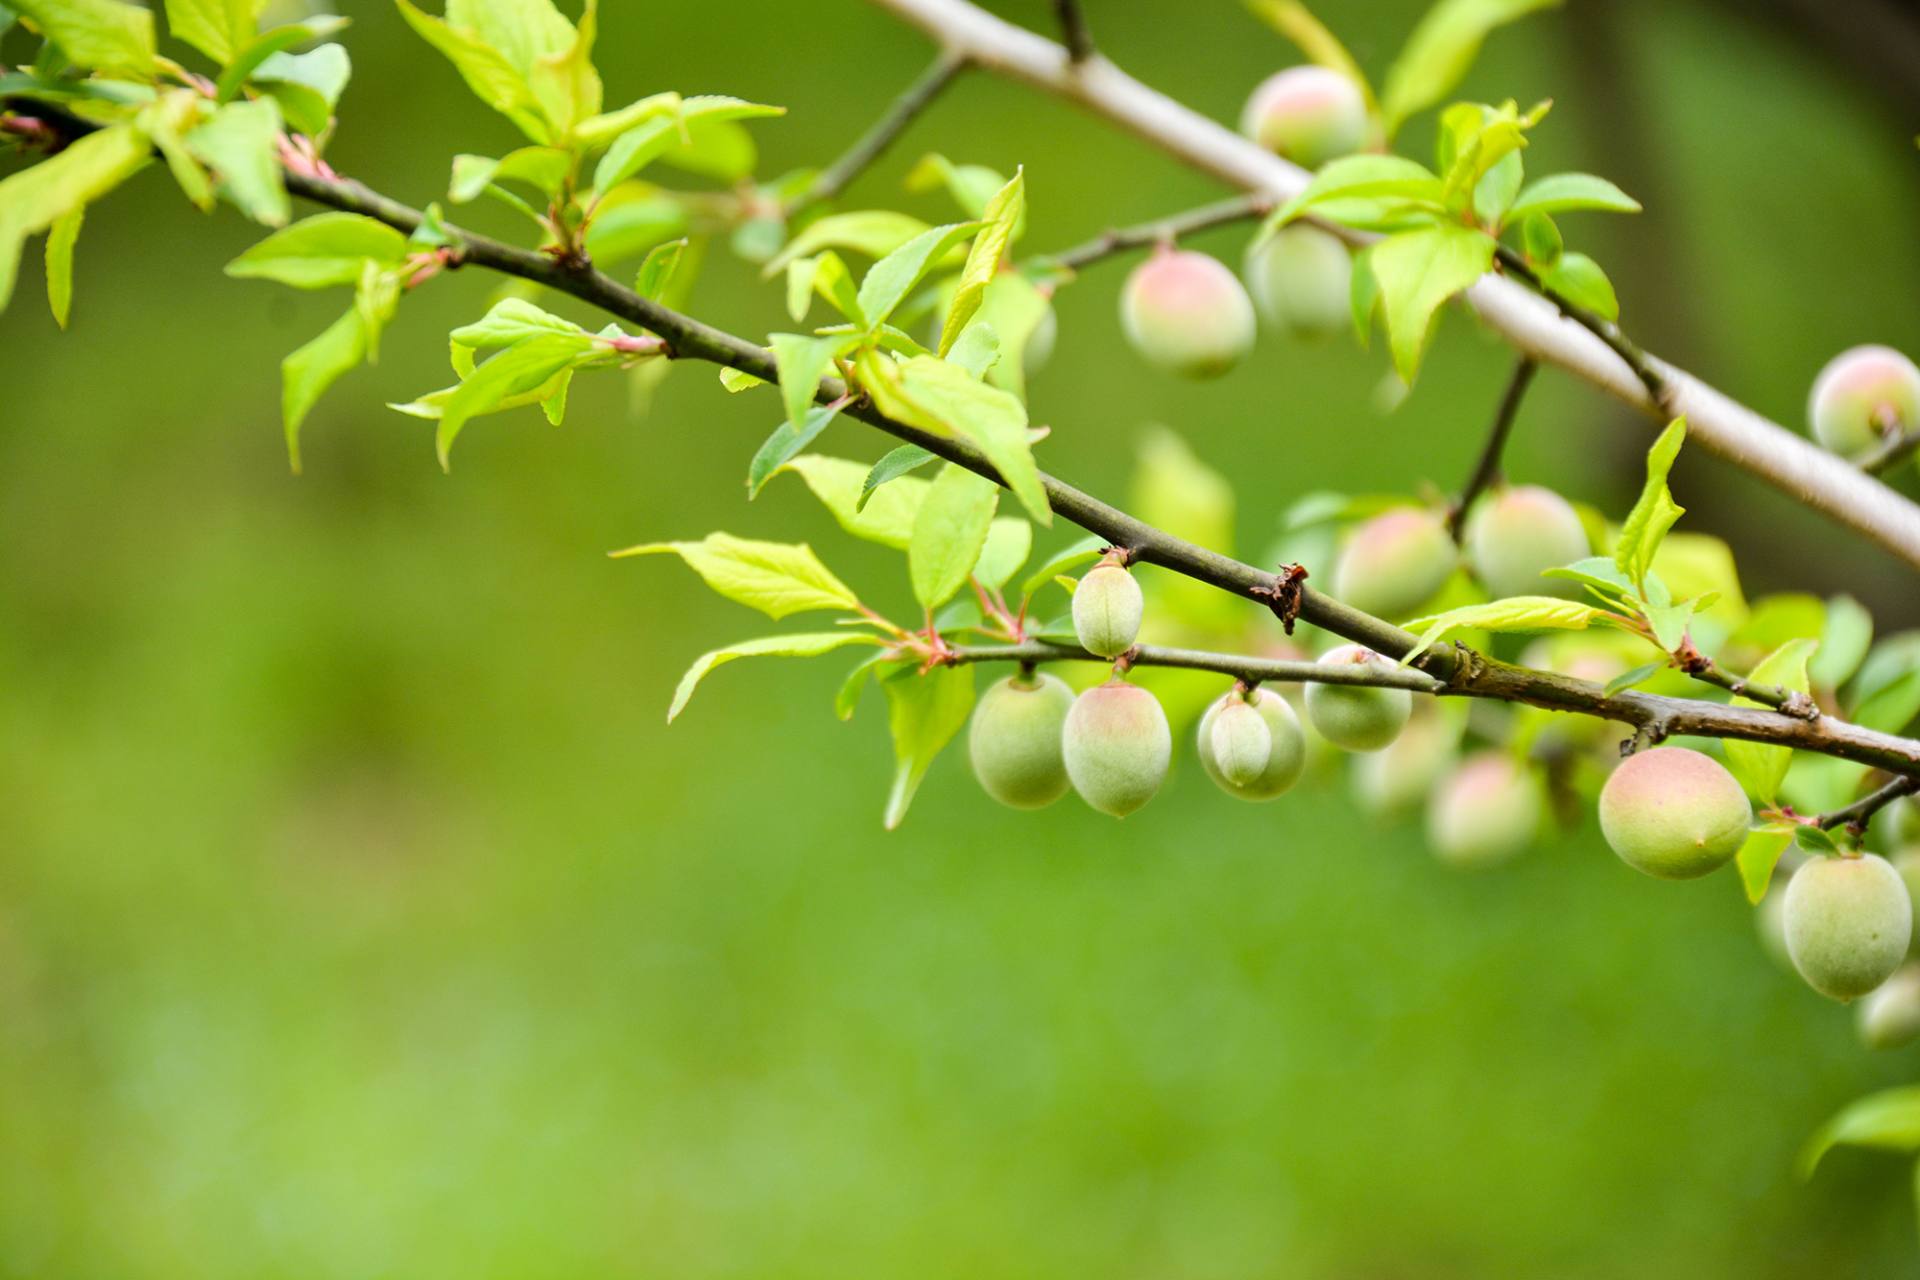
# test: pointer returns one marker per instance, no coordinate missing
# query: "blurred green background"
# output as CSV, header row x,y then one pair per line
x,y
360,917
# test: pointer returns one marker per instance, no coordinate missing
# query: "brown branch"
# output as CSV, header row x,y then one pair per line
x,y
1252,671
833,179
1146,234
1487,469
1857,814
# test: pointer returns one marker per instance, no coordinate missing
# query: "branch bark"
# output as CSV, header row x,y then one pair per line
x,y
1487,468
833,179
1145,234
1529,322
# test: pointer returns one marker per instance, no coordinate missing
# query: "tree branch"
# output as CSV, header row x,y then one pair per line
x,y
1145,234
912,101
1857,814
1488,467
1251,670
1894,451
1532,324
1073,29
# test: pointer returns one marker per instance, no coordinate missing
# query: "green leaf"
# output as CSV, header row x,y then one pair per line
x,y
976,350
1759,766
1085,551
1579,280
1009,542
260,48
1891,707
1566,191
528,367
1816,841
1888,1121
543,168
884,515
61,238
103,35
802,361
948,534
510,321
1005,210
874,232
925,712
309,371
777,578
657,268
35,198
892,465
217,28
1758,857
797,646
891,279
942,398
564,81
1627,679
847,699
972,186
488,72
1600,574
306,85
240,144
1655,512
324,251
1843,644
785,442
1016,309
1438,53
1540,241
1370,176
1419,270
651,139
1515,613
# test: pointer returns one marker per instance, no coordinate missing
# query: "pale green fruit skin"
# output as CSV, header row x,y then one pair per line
x,y
1770,921
1907,863
1107,609
1518,534
1902,820
1889,1016
1187,313
1855,385
1301,279
1673,814
1357,717
1405,772
1014,740
1308,114
1485,811
1240,741
1286,755
1848,924
1117,745
1394,563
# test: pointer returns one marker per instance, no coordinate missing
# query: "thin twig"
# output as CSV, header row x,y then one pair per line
x,y
1073,29
1707,671
1487,469
899,114
1891,453
1857,814
1250,670
1145,234
1598,325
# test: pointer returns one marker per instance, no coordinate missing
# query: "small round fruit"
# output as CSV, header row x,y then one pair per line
x,y
1673,813
1902,822
1890,1015
1308,114
1014,740
1107,607
1301,279
1287,747
1520,533
1187,313
1117,746
1394,563
1848,923
1240,741
1863,395
1355,716
1485,811
1404,774
1770,919
1907,863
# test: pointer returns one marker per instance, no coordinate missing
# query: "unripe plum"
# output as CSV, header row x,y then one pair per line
x,y
1240,741
1849,920
1308,114
1485,811
1907,863
1117,746
1862,395
1187,313
1404,773
1357,717
1014,740
1287,746
1394,563
1519,533
1301,279
1673,813
1902,820
1107,607
1890,1015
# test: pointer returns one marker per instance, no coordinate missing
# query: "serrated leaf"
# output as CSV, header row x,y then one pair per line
x,y
1363,176
885,516
543,168
802,361
1513,614
1888,1121
513,320
890,280
892,465
1417,271
324,251
240,144
1002,213
1562,192
217,28
61,238
977,349
652,139
874,232
1816,841
797,646
1016,309
33,199
306,85
102,35
925,712
1085,551
1438,52
493,77
1761,766
657,268
1009,542
1655,512
1758,857
785,442
948,534
308,371
526,368
777,578
940,397
260,48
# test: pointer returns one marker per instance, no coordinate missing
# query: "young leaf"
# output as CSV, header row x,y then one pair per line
x,y
658,267
1370,176
647,141
891,279
1758,857
1515,613
217,28
509,321
1843,642
1565,191
884,515
1579,280
892,465
874,232
60,241
940,397
786,441
1540,240
925,711
1416,272
1761,766
1085,551
1009,542
972,186
564,81
777,578
847,699
1655,512
489,73
543,168
1439,51
1016,309
977,349
309,371
33,199
326,250
1627,679
306,85
983,259
1888,1120
260,48
240,145
797,646
104,35
802,361
527,367
948,534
